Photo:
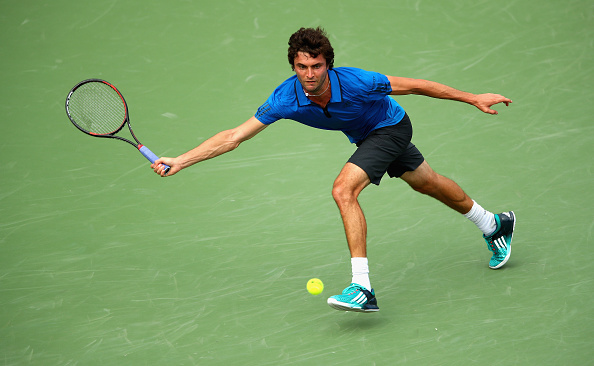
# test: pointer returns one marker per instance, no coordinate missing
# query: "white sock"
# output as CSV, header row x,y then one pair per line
x,y
360,268
482,218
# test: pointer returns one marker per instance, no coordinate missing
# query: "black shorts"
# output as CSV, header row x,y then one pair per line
x,y
388,150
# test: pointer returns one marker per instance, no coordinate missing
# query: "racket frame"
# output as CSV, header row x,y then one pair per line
x,y
143,149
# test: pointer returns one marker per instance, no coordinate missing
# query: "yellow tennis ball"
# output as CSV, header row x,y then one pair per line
x,y
315,286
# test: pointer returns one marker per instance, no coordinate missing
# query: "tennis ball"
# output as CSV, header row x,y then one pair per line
x,y
315,286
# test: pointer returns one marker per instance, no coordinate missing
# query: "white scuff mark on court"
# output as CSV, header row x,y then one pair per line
x,y
25,22
409,265
256,25
169,115
100,16
561,134
590,231
30,356
530,51
93,346
275,274
484,56
8,193
250,77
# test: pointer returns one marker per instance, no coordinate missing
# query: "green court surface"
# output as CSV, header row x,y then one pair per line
x,y
104,263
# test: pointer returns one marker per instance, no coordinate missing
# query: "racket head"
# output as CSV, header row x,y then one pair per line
x,y
97,108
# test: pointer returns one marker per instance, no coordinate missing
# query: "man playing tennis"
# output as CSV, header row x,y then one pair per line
x,y
357,103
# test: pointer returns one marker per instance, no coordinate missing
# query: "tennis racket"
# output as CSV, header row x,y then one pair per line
x,y
98,109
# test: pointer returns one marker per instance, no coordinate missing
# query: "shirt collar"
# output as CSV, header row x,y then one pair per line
x,y
334,87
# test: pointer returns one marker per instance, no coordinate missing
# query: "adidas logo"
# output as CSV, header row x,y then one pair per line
x,y
360,299
500,243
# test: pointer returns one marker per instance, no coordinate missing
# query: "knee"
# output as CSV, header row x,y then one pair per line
x,y
424,189
342,194
427,186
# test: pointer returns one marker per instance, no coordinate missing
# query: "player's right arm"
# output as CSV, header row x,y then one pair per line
x,y
219,144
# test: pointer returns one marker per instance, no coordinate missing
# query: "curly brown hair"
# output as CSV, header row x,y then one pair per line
x,y
312,41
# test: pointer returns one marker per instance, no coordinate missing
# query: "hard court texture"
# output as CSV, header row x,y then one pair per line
x,y
104,263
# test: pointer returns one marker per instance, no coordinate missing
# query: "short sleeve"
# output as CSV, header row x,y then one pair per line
x,y
266,114
377,85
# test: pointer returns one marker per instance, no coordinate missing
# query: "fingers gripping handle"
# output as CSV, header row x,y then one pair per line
x,y
151,156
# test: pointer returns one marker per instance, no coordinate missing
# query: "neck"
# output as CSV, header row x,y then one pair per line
x,y
320,94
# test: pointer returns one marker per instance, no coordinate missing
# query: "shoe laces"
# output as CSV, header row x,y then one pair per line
x,y
351,289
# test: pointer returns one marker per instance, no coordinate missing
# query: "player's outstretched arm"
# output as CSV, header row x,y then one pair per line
x,y
484,102
220,143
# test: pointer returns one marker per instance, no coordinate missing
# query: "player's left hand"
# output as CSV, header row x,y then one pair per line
x,y
484,102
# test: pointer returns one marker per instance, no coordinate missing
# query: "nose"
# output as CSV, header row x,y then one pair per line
x,y
310,72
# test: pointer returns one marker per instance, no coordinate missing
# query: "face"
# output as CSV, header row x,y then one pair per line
x,y
311,72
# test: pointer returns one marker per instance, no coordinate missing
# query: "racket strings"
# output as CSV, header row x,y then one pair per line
x,y
97,108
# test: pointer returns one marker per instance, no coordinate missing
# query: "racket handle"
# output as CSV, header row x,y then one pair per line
x,y
152,157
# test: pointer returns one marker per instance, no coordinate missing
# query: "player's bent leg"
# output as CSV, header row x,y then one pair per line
x,y
425,180
347,186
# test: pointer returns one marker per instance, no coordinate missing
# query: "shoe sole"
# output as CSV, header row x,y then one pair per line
x,y
343,306
510,241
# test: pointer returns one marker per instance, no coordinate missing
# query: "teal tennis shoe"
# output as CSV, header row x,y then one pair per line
x,y
500,241
354,298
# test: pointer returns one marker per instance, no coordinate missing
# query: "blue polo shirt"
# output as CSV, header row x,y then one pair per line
x,y
359,104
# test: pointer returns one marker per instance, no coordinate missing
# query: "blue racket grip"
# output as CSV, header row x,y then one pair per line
x,y
152,157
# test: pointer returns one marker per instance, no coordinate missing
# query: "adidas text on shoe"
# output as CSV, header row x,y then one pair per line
x,y
500,241
355,298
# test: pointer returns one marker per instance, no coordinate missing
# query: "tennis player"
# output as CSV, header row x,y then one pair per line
x,y
357,102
